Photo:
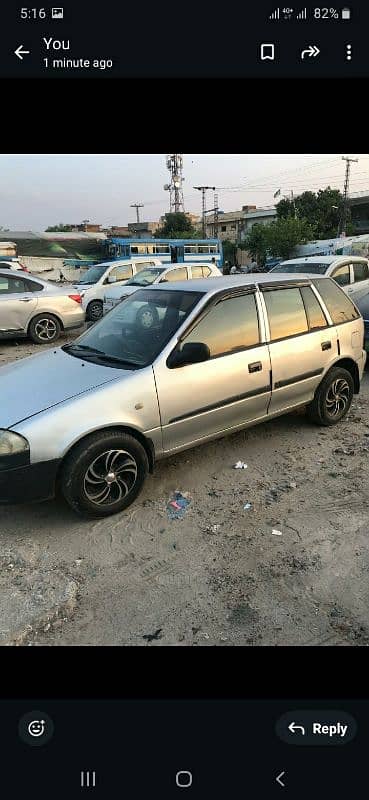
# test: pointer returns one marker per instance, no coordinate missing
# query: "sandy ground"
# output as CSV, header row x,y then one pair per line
x,y
219,576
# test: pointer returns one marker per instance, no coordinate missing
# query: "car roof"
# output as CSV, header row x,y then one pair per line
x,y
250,281
321,259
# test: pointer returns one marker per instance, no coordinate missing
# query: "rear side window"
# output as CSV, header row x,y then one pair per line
x,y
32,286
286,312
122,273
177,275
200,272
361,272
338,304
314,311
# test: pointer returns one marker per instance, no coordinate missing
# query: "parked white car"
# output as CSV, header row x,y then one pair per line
x,y
159,274
92,285
12,263
350,272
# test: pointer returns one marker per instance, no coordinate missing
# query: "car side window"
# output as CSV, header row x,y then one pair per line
x,y
361,271
206,272
33,286
12,286
342,275
122,273
286,313
340,307
177,275
315,314
230,327
197,273
144,265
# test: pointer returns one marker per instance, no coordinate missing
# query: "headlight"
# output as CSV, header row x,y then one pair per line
x,y
14,450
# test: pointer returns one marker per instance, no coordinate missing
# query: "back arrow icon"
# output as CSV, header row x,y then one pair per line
x,y
279,779
20,53
312,51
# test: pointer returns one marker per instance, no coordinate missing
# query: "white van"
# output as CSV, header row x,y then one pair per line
x,y
92,285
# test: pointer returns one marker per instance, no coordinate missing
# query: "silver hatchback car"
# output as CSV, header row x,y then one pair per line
x,y
223,355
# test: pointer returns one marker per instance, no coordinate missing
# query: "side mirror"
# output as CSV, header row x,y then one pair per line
x,y
112,279
191,353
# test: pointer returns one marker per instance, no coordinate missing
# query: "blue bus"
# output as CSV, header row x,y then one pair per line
x,y
175,251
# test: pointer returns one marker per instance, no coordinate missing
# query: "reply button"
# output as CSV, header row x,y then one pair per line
x,y
306,728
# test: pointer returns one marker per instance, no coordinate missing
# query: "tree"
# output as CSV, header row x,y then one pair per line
x,y
229,251
61,228
257,243
177,226
322,210
285,235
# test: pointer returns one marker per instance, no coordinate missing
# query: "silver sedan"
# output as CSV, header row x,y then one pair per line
x,y
32,307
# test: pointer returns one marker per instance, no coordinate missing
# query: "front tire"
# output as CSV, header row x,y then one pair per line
x,y
104,474
94,311
44,329
333,398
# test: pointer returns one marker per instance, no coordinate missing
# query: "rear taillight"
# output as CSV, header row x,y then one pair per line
x,y
76,297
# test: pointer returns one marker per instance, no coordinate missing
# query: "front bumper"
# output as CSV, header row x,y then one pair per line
x,y
34,482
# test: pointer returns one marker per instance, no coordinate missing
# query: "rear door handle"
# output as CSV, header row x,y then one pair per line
x,y
256,367
25,299
326,345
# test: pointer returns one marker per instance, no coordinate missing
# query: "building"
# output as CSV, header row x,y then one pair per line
x,y
234,225
142,230
359,206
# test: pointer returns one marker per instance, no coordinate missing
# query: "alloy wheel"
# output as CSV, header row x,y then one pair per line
x,y
110,477
46,329
337,398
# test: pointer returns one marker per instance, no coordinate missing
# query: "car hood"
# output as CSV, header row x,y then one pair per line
x,y
32,385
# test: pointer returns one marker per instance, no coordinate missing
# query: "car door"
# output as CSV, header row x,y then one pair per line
x,y
17,303
359,286
199,401
302,345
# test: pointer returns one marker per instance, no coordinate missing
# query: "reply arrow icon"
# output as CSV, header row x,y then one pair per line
x,y
20,52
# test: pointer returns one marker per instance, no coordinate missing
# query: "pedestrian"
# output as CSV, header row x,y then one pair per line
x,y
234,270
227,268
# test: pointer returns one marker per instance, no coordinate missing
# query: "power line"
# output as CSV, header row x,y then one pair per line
x,y
137,206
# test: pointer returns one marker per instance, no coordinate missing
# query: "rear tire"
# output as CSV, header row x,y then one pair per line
x,y
333,398
44,329
94,311
104,474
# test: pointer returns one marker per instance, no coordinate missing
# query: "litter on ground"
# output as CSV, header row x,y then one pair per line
x,y
240,465
178,505
276,533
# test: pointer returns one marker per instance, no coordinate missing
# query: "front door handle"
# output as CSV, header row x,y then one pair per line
x,y
25,299
326,345
256,367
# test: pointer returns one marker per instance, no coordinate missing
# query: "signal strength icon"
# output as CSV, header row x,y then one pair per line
x,y
302,14
275,14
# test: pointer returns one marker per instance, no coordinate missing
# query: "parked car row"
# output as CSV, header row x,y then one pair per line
x,y
220,356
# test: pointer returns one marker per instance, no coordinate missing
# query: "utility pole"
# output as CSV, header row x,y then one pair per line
x,y
137,206
175,187
205,189
216,215
346,192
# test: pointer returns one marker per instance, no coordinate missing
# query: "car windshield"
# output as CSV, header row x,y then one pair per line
x,y
133,334
308,267
92,275
146,277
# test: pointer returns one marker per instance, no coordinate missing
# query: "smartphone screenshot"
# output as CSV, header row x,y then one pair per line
x,y
80,40
184,440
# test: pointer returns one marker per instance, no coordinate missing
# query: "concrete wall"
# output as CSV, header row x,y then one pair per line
x,y
49,269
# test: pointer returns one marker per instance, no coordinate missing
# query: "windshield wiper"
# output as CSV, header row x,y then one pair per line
x,y
83,347
116,360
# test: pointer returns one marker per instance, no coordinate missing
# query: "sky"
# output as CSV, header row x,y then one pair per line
x,y
41,190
